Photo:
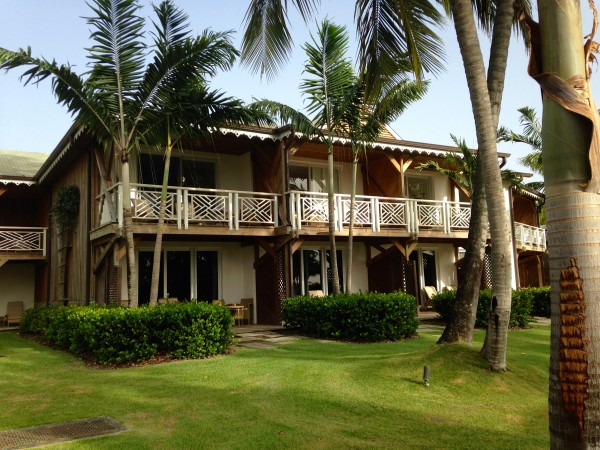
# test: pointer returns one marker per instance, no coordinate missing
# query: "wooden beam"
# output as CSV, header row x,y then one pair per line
x,y
3,261
296,245
394,162
2,191
104,182
105,251
406,249
266,246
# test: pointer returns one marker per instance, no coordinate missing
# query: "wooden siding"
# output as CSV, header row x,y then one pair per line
x,y
78,272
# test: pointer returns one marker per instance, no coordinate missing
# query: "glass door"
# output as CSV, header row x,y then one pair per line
x,y
179,275
207,275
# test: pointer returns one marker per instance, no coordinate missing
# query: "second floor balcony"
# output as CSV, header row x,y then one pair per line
x,y
190,210
23,242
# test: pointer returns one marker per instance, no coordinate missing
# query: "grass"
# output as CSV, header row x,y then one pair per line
x,y
305,395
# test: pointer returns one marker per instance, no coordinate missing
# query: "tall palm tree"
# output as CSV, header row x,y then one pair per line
x,y
363,119
121,90
326,89
571,152
192,110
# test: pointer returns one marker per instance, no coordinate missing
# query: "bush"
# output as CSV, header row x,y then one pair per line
x,y
362,317
122,335
520,313
540,296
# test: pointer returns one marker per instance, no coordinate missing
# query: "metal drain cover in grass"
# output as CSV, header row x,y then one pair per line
x,y
60,432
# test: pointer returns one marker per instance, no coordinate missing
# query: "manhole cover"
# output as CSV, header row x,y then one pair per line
x,y
61,432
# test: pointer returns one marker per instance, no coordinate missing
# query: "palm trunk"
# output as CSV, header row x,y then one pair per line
x,y
467,297
161,222
351,226
466,33
128,229
464,312
331,207
573,238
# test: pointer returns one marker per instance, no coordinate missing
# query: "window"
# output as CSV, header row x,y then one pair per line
x,y
187,172
311,179
312,271
418,187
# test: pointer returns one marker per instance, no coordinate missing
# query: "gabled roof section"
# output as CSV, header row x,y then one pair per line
x,y
19,167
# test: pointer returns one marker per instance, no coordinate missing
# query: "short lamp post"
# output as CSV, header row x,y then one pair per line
x,y
426,375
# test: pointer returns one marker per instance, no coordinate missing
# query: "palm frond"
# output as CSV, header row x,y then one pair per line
x,y
396,35
171,26
331,73
267,41
286,115
69,89
117,56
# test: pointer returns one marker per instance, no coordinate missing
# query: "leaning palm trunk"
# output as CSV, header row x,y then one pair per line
x,y
460,329
466,33
570,146
464,313
161,222
351,225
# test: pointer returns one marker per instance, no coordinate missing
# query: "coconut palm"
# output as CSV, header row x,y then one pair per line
x,y
121,91
570,126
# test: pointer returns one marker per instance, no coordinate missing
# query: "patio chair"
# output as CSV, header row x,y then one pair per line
x,y
248,304
429,292
14,313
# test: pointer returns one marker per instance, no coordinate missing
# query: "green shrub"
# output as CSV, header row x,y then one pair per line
x,y
362,317
122,335
540,296
520,313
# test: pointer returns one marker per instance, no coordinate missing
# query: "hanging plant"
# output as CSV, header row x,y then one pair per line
x,y
66,208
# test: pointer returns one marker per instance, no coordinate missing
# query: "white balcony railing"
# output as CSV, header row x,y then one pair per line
x,y
526,235
311,208
188,206
23,240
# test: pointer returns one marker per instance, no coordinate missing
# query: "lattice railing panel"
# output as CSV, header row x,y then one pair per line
x,y
430,215
208,208
392,214
21,241
362,210
315,209
146,205
256,210
460,217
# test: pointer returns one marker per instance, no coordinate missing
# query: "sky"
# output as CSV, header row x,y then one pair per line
x,y
31,120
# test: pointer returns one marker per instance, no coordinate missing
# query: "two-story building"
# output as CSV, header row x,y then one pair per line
x,y
247,217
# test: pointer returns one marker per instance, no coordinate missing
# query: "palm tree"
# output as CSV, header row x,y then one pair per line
x,y
570,126
326,90
389,31
192,110
532,136
121,91
362,122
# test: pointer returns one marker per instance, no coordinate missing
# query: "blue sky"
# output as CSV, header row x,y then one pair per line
x,y
30,119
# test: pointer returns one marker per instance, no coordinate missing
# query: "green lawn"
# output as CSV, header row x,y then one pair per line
x,y
307,395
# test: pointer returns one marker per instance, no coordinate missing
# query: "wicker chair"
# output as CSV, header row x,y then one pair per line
x,y
14,313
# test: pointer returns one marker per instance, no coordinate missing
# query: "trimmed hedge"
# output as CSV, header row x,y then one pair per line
x,y
520,312
121,335
541,300
362,317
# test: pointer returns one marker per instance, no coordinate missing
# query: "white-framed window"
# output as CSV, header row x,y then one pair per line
x,y
419,187
312,178
184,170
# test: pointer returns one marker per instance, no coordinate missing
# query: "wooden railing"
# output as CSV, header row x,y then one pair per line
x,y
311,208
23,239
527,235
188,206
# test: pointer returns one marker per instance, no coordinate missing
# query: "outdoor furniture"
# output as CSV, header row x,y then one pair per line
x,y
316,293
248,304
14,313
219,302
237,311
429,292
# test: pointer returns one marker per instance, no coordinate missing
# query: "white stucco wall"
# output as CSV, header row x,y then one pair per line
x,y
17,283
234,173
